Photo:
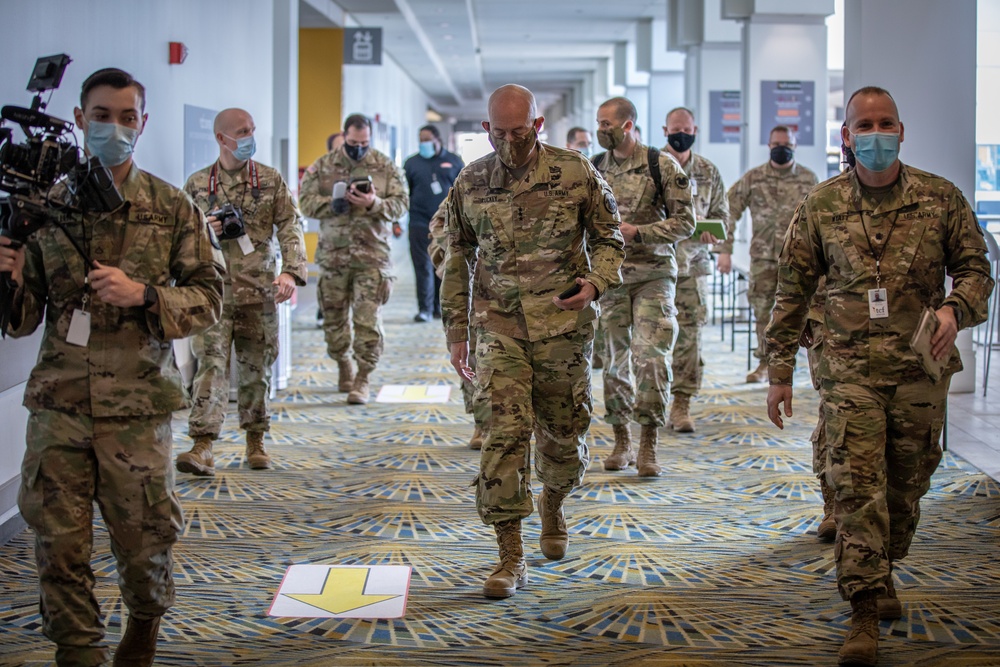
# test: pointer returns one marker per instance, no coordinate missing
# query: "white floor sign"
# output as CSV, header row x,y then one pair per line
x,y
401,393
342,591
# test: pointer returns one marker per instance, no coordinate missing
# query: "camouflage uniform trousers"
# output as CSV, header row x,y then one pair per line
x,y
883,446
253,330
469,388
760,294
352,314
692,315
124,464
639,323
818,439
523,387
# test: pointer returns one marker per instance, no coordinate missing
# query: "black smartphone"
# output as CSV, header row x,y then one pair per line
x,y
572,291
363,185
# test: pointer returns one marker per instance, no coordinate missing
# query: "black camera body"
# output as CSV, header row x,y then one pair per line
x,y
232,221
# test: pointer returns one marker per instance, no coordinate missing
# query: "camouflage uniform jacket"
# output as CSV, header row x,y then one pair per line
x,y
127,368
710,203
438,233
771,195
935,233
534,236
650,254
358,238
249,278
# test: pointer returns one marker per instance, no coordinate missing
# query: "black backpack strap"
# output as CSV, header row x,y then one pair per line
x,y
654,172
597,159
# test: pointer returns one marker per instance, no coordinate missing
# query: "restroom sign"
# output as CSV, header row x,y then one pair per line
x,y
362,46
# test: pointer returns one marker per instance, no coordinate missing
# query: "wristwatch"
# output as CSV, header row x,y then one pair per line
x,y
150,297
958,314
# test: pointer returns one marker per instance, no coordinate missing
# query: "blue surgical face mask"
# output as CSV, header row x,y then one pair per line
x,y
587,151
110,143
428,149
245,147
876,151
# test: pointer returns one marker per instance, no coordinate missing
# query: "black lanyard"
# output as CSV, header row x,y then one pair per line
x,y
213,183
885,246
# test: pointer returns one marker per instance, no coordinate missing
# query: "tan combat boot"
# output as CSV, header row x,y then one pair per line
x,y
680,415
257,457
889,606
512,571
554,536
622,456
345,376
827,530
860,648
647,465
476,442
138,645
759,374
359,392
199,460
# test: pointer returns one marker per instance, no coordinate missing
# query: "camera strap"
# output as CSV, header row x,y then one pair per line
x,y
213,183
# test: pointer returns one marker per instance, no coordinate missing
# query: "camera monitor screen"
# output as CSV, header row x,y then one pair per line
x,y
48,72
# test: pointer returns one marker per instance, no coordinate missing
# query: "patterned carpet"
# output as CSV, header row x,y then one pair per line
x,y
714,563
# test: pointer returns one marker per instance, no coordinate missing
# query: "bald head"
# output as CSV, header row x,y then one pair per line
x,y
869,96
229,121
513,102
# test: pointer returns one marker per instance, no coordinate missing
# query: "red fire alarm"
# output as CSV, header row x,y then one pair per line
x,y
178,52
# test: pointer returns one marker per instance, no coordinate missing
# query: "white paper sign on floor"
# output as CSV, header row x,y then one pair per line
x,y
403,393
342,591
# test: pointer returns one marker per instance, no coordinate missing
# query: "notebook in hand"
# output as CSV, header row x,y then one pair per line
x,y
920,343
714,226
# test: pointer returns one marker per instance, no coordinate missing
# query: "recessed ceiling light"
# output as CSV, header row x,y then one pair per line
x,y
446,38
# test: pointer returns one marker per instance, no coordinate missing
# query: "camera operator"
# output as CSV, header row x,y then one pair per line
x,y
253,203
357,193
105,385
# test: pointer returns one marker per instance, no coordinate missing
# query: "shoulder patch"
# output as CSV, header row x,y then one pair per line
x,y
609,202
682,181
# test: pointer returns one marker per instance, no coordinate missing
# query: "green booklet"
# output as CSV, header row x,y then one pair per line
x,y
715,227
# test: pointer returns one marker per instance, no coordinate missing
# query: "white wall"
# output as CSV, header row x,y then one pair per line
x,y
387,92
719,69
134,37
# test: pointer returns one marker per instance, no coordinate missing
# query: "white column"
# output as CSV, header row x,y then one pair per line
x,y
932,49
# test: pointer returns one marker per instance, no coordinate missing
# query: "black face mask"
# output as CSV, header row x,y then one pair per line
x,y
782,154
848,155
355,152
680,141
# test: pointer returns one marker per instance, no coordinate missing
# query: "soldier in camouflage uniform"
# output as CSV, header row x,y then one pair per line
x,y
771,192
812,339
438,232
353,254
249,314
884,235
101,396
694,264
638,319
524,224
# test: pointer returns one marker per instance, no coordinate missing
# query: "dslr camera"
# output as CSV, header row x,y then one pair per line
x,y
232,221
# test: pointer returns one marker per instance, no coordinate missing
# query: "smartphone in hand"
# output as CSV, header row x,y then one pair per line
x,y
572,291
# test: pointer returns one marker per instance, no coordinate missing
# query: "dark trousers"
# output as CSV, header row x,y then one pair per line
x,y
428,284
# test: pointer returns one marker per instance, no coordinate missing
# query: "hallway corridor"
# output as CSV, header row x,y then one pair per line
x,y
714,563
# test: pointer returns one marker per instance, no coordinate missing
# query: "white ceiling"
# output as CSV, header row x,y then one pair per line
x,y
459,51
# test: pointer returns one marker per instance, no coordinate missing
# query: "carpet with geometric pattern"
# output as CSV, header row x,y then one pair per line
x,y
713,563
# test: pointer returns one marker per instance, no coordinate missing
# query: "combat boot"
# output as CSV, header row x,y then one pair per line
x,y
860,648
359,392
345,376
827,530
647,465
512,571
622,456
759,374
680,415
889,606
257,457
199,460
477,438
554,537
138,645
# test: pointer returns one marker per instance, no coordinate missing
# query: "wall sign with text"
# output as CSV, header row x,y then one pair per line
x,y
791,103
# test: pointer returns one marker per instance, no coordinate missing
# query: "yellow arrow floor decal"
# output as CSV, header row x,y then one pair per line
x,y
343,591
